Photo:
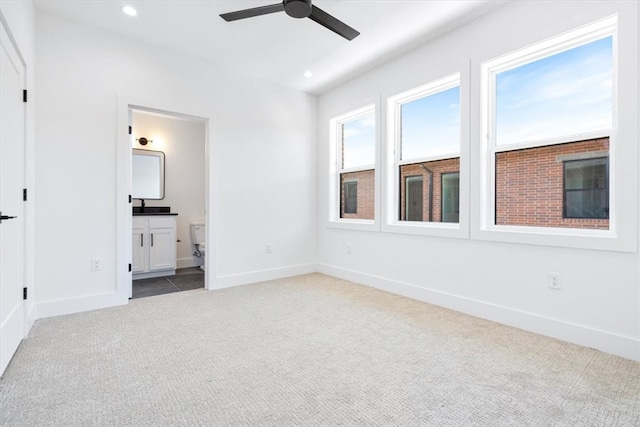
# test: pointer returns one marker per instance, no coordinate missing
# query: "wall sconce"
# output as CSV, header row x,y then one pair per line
x,y
143,140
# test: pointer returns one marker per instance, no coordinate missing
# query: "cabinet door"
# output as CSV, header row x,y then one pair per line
x,y
162,249
140,242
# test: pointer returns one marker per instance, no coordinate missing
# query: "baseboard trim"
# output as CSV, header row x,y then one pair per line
x,y
186,263
623,346
93,302
232,280
31,317
79,304
152,274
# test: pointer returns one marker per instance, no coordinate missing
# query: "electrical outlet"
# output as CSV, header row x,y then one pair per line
x,y
554,281
96,264
269,248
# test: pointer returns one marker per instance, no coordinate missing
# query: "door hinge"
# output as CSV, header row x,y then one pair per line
x,y
24,293
129,198
130,130
129,268
24,194
24,95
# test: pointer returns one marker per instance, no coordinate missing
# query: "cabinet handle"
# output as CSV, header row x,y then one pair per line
x,y
151,239
141,239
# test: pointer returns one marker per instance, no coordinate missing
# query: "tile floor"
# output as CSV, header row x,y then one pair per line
x,y
185,279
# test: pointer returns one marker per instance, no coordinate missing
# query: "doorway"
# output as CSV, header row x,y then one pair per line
x,y
156,129
168,189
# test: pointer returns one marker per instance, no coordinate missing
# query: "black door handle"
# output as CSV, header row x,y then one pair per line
x,y
5,217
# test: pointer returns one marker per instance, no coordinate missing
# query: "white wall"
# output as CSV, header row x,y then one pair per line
x,y
182,141
20,19
262,152
599,305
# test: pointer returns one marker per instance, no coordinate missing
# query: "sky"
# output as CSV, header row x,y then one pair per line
x,y
359,142
431,125
563,94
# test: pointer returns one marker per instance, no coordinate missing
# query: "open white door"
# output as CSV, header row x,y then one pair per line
x,y
12,231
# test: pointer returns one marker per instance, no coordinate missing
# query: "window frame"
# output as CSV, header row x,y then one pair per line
x,y
485,228
336,170
394,162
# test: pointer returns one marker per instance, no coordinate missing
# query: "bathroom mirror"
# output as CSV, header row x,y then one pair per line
x,y
147,175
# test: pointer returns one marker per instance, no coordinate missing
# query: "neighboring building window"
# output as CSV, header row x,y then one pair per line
x,y
350,197
548,102
426,137
450,197
356,152
414,193
586,188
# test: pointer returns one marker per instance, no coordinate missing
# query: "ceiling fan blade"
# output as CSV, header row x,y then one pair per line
x,y
334,24
249,13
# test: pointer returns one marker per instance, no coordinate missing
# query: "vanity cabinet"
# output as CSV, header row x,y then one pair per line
x,y
154,246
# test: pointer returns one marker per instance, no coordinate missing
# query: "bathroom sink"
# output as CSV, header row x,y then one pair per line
x,y
151,210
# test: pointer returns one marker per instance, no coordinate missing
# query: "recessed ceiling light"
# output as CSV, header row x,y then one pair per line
x,y
129,11
308,74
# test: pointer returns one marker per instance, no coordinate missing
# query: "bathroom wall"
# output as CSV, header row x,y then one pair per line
x,y
183,142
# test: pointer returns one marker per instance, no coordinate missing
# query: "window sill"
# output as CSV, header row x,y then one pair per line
x,y
354,224
420,228
591,239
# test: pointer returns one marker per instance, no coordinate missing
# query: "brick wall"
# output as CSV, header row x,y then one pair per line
x,y
366,194
529,186
437,168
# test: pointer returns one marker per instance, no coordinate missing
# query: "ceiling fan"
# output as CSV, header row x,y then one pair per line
x,y
297,9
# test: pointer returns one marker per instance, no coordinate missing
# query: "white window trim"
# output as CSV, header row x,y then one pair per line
x,y
611,239
581,136
335,156
392,223
427,159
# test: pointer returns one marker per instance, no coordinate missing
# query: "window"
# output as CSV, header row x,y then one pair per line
x,y
414,204
450,208
350,197
355,139
546,103
586,188
425,133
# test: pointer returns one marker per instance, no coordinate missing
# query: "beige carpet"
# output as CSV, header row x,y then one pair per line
x,y
306,351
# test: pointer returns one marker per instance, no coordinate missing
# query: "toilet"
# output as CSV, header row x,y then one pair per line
x,y
198,239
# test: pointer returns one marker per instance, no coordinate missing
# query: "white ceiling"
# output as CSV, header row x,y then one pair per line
x,y
277,47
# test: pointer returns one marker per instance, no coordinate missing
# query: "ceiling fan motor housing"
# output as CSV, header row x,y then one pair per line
x,y
297,8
